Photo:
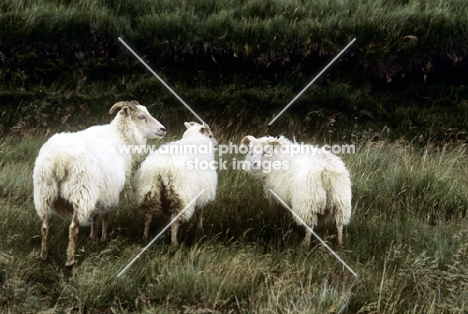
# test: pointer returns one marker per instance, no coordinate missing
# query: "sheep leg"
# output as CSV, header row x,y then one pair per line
x,y
200,218
73,234
174,230
312,223
105,224
339,231
148,218
307,238
280,213
93,233
44,231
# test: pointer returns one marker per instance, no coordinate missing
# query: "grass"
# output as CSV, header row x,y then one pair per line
x,y
44,39
336,109
405,71
241,25
399,94
407,241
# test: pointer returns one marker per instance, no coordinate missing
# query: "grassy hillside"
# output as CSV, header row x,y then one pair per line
x,y
399,94
407,241
406,70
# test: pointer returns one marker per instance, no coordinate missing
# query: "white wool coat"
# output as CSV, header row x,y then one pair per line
x,y
87,170
82,170
312,184
167,182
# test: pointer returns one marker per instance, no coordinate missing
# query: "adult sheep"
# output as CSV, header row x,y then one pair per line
x,y
315,184
171,177
80,175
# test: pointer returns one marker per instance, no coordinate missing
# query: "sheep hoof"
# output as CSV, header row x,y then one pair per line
x,y
173,248
69,264
43,256
306,243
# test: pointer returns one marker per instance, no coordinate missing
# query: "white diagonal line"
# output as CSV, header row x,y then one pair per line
x,y
159,234
312,231
161,80
312,82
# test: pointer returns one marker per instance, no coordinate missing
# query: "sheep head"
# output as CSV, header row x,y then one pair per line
x,y
194,128
139,116
260,150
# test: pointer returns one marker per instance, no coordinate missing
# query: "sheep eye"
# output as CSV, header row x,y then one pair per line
x,y
142,117
211,136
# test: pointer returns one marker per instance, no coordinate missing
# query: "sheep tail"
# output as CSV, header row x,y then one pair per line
x,y
46,178
55,191
171,200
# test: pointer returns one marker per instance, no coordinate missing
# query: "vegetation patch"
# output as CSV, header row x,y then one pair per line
x,y
407,241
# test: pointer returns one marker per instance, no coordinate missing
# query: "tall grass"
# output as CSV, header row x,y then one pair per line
x,y
63,57
232,60
391,34
260,24
407,241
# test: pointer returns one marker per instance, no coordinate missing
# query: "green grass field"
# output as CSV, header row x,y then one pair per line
x,y
407,241
406,70
399,94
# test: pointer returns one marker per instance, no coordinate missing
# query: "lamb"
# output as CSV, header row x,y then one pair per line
x,y
315,186
80,175
171,177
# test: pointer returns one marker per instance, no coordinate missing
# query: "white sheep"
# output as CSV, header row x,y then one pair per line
x,y
171,177
80,175
314,185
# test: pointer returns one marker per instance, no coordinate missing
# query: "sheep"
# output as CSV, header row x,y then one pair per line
x,y
80,175
168,181
314,186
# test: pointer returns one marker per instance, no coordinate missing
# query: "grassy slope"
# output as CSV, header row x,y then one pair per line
x,y
407,241
238,58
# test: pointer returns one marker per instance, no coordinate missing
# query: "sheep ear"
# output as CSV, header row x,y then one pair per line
x,y
125,111
274,142
247,139
188,125
205,129
132,105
